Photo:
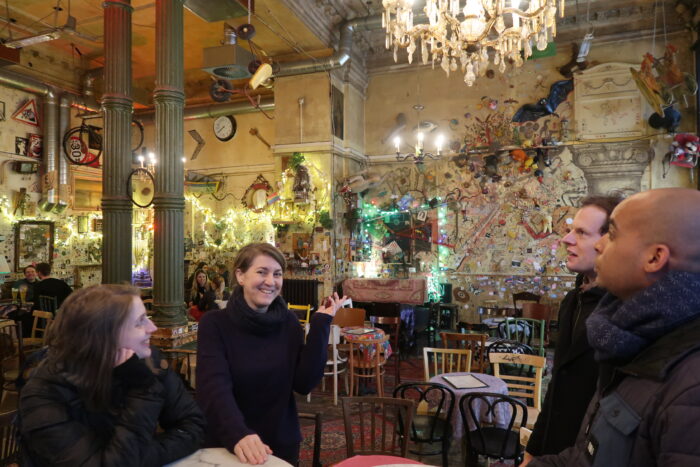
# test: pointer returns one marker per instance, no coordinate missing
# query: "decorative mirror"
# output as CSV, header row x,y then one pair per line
x,y
141,187
255,197
33,243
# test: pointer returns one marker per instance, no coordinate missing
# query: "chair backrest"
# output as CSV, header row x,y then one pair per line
x,y
529,387
303,312
503,443
184,363
345,317
446,361
527,331
42,323
525,297
435,396
391,326
48,303
379,423
367,353
11,348
9,444
474,342
318,424
536,311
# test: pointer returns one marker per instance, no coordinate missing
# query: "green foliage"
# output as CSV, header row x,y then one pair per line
x,y
296,160
324,218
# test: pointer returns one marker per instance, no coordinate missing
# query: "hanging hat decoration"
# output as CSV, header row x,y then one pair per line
x,y
460,294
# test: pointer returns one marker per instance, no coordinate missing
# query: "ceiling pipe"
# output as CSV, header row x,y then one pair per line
x,y
343,54
194,112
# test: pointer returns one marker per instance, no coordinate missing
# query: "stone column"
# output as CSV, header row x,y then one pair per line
x,y
117,106
169,202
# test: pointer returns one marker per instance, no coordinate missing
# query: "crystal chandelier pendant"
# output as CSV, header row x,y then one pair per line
x,y
463,32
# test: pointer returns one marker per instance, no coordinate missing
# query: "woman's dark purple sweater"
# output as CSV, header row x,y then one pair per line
x,y
245,382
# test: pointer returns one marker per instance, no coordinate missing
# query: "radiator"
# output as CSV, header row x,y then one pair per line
x,y
301,292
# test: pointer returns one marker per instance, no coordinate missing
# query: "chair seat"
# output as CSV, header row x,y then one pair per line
x,y
422,425
493,442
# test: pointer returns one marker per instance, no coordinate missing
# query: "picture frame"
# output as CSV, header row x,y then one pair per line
x,y
33,243
36,146
21,145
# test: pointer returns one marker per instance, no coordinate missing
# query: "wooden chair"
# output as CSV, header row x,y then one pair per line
x,y
541,312
474,342
11,357
487,439
184,363
446,361
392,326
318,425
366,360
524,330
380,424
40,328
525,297
48,303
345,317
335,364
9,444
303,312
432,420
528,387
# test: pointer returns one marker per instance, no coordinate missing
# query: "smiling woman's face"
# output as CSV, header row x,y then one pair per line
x,y
261,283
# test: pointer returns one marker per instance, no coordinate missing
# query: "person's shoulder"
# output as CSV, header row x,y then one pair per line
x,y
214,318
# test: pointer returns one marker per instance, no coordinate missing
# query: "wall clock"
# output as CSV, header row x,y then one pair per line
x,y
225,127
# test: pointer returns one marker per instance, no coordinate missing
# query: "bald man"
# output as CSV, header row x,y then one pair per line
x,y
646,337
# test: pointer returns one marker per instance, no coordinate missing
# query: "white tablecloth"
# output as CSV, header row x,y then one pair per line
x,y
220,457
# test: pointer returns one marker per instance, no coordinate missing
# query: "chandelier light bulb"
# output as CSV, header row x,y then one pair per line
x,y
397,143
438,143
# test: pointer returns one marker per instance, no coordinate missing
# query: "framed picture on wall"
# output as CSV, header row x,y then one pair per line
x,y
35,146
33,243
21,145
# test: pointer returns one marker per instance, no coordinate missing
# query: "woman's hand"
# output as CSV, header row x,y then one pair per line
x,y
331,304
251,450
122,356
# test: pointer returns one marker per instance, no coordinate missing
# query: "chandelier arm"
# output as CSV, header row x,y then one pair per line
x,y
524,14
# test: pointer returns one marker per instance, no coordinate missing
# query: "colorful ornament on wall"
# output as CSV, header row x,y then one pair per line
x,y
27,113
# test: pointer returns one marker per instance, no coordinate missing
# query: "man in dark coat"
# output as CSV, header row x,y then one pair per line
x,y
646,337
575,372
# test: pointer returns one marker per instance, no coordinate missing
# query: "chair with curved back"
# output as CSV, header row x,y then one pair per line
x,y
524,330
540,312
508,346
492,441
48,303
318,425
474,342
366,359
379,423
432,420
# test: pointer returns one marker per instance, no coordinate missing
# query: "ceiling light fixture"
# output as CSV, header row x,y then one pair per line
x,y
461,33
50,35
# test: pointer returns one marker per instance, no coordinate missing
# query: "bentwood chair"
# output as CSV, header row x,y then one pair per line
x,y
492,441
318,425
392,326
525,297
526,387
524,330
474,342
376,425
367,360
345,317
432,420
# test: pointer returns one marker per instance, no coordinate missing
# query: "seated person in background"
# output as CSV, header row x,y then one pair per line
x,y
29,282
223,272
201,297
102,396
50,286
202,266
218,284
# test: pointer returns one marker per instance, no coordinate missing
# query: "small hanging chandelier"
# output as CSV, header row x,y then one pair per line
x,y
457,35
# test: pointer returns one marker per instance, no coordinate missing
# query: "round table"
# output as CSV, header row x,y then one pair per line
x,y
493,384
372,461
357,334
222,457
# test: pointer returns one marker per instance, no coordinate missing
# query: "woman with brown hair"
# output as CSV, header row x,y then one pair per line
x,y
102,396
251,358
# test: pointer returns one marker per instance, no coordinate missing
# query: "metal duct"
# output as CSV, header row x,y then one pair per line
x,y
341,56
213,110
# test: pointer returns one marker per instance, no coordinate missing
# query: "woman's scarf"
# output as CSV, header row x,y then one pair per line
x,y
259,323
618,330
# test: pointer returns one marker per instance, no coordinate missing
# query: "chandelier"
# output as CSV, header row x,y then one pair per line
x,y
461,36
419,154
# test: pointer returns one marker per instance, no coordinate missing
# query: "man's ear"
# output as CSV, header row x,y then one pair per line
x,y
657,258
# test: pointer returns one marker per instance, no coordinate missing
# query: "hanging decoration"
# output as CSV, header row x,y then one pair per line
x,y
256,195
27,113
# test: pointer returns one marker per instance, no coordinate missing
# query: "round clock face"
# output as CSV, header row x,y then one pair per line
x,y
225,127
